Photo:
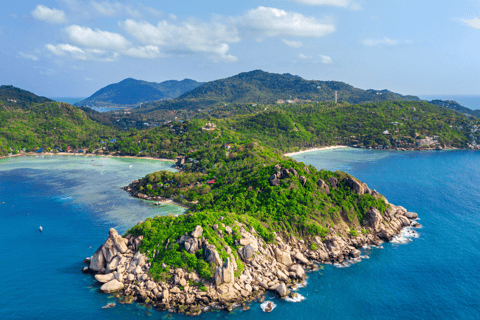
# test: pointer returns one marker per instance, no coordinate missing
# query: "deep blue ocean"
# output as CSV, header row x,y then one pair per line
x,y
68,99
434,276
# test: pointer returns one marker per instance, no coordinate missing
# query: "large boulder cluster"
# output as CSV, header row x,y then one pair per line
x,y
283,173
276,267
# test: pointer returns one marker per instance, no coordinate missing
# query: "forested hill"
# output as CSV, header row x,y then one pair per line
x,y
263,87
450,104
37,122
20,97
401,124
131,92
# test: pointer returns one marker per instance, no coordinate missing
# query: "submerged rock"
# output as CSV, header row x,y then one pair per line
x,y
268,306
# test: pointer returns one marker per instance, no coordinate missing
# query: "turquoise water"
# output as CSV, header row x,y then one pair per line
x,y
432,277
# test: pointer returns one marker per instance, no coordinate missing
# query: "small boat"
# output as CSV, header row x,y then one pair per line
x,y
41,229
109,305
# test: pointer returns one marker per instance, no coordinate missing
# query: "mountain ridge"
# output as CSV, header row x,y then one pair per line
x,y
132,92
258,86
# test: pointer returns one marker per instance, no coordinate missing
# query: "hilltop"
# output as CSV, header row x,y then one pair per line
x,y
19,97
267,88
30,122
450,104
130,93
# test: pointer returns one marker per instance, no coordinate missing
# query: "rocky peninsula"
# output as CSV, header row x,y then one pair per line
x,y
251,266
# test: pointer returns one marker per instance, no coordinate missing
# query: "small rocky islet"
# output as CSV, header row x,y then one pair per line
x,y
275,266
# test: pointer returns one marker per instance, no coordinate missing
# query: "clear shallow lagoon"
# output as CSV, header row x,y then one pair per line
x,y
433,277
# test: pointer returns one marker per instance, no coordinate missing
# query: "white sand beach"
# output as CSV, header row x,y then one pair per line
x,y
314,149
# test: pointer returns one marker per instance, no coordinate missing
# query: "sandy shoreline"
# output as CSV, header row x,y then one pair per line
x,y
84,155
314,149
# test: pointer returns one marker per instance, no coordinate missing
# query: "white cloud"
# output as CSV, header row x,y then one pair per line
x,y
191,36
475,22
64,49
44,13
88,79
175,36
146,52
76,53
302,56
385,41
272,22
293,44
336,3
88,10
114,9
87,37
28,56
325,59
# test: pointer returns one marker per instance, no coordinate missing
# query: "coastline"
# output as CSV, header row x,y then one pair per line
x,y
123,268
315,149
160,200
30,154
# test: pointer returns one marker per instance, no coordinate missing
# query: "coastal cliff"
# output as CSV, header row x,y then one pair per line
x,y
219,259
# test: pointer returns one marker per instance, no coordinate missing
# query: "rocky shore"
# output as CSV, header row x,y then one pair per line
x,y
132,189
277,266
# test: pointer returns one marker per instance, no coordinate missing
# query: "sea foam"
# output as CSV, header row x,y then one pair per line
x,y
405,236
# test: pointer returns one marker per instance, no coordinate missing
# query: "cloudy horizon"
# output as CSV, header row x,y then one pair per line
x,y
74,47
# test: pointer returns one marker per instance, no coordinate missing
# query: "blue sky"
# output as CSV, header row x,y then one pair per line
x,y
73,48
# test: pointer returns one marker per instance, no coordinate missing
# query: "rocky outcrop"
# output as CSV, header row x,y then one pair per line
x,y
112,286
282,290
374,219
356,186
246,252
283,257
275,267
323,186
104,278
333,182
97,261
283,173
303,180
197,233
211,255
102,258
225,273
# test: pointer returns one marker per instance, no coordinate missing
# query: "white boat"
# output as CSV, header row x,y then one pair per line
x,y
41,229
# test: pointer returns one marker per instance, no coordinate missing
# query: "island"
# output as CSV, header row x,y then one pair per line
x,y
256,221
